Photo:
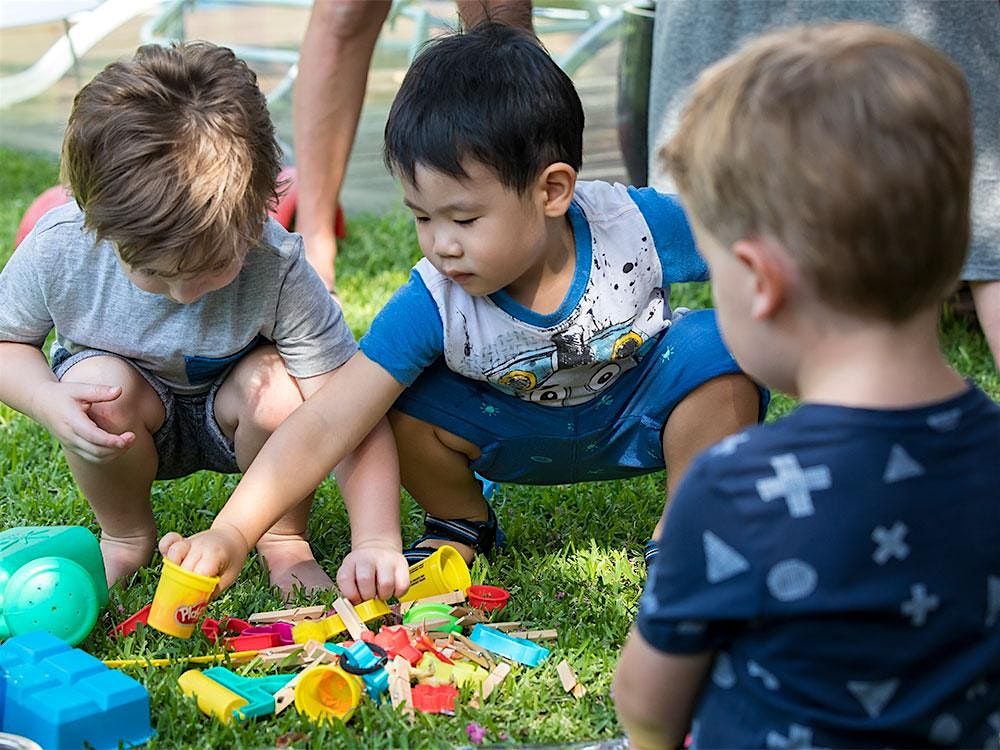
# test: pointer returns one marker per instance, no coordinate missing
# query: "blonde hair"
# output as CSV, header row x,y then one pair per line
x,y
172,156
851,145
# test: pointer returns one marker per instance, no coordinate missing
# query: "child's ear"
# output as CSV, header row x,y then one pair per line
x,y
557,181
769,272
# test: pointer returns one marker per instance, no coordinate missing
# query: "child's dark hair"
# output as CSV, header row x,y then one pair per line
x,y
493,95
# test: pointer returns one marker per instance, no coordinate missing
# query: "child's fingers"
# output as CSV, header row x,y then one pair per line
x,y
174,547
93,393
208,563
103,443
388,580
401,575
346,584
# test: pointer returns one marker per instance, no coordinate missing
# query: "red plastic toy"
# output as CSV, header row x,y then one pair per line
x,y
225,626
434,699
395,641
487,598
128,626
48,199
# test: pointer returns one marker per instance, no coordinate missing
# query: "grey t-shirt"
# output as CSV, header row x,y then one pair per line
x,y
690,35
61,277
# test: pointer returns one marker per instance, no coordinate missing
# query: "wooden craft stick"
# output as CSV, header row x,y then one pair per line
x,y
287,615
350,617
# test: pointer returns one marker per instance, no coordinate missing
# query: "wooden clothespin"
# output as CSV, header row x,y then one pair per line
x,y
350,617
569,681
534,635
499,673
506,627
399,684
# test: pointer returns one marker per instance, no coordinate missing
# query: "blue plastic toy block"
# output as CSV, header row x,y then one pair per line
x,y
520,650
62,697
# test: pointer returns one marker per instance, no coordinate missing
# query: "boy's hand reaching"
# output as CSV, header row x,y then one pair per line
x,y
373,571
65,409
218,551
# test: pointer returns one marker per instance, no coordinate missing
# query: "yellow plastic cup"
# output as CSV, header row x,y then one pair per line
x,y
441,573
327,692
181,598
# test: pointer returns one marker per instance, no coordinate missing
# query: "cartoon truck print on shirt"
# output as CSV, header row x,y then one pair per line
x,y
572,372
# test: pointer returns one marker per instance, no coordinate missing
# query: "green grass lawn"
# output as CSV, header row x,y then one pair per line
x,y
573,563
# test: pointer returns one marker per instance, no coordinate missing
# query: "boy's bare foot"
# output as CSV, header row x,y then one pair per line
x,y
290,564
123,555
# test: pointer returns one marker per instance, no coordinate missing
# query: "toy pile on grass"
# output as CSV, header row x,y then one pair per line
x,y
417,655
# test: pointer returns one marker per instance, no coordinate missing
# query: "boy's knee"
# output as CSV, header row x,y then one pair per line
x,y
264,391
137,408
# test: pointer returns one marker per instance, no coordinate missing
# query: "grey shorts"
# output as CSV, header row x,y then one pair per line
x,y
189,439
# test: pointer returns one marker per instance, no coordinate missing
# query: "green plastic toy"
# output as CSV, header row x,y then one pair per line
x,y
51,579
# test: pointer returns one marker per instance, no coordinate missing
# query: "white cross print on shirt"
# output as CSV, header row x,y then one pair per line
x,y
919,604
890,543
794,484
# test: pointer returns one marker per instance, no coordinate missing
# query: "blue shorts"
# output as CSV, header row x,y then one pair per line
x,y
617,434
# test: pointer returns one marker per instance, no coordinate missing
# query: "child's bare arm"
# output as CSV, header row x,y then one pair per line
x,y
369,482
28,385
656,693
309,443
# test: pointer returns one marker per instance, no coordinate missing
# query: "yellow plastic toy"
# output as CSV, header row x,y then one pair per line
x,y
327,692
459,673
180,599
440,573
332,626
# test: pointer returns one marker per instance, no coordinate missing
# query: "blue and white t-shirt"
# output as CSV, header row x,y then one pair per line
x,y
845,566
631,244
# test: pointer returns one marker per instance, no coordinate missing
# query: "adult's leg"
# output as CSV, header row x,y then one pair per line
x,y
252,401
986,295
326,105
717,408
118,490
434,469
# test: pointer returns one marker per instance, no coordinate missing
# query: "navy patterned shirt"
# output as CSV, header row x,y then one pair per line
x,y
844,565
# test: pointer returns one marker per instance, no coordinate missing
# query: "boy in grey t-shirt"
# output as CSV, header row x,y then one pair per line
x,y
188,325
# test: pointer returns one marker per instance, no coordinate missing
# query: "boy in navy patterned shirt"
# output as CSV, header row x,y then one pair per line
x,y
833,579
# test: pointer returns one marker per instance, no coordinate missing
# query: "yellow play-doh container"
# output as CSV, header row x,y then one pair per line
x,y
442,572
327,692
180,599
